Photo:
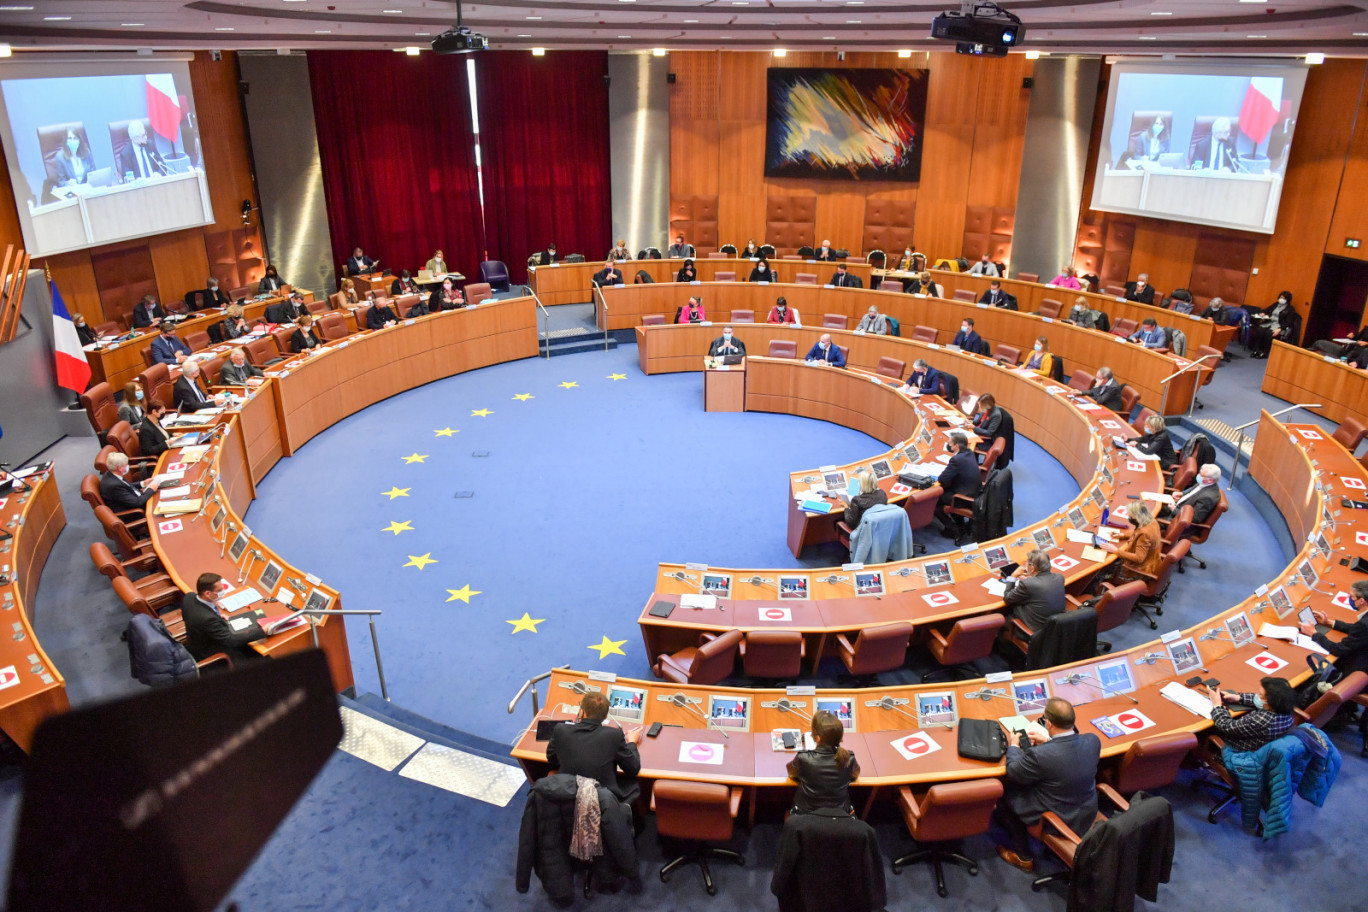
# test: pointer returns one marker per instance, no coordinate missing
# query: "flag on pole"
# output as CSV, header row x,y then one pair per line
x,y
1262,103
163,106
73,370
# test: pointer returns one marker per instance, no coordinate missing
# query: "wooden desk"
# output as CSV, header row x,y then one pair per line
x,y
378,282
31,688
571,283
1301,375
724,386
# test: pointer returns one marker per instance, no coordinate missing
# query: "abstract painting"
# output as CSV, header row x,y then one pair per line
x,y
856,124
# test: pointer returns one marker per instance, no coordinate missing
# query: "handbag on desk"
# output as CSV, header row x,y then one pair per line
x,y
981,739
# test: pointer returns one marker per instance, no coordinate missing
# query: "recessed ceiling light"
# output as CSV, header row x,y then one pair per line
x,y
780,52
421,34
657,52
534,18
224,28
1316,58
12,8
1361,34
1147,37
411,51
828,37
56,18
524,36
1256,36
854,21
5,50
1160,13
539,52
690,21
391,11
131,24
1253,1
904,53
624,36
322,31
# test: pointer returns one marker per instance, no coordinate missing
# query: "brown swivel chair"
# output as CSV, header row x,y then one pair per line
x,y
925,334
783,348
90,493
316,307
1051,308
990,458
727,276
1027,277
123,438
108,328
1130,398
198,341
708,663
282,339
891,367
845,353
775,654
1157,586
337,300
921,510
1150,763
1007,354
477,292
945,813
100,408
965,294
133,552
743,316
1197,533
835,321
1114,607
1081,380
334,327
1350,433
146,352
876,649
211,370
101,460
1183,475
1063,842
969,640
1139,423
1175,529
653,320
696,813
136,603
156,588
263,352
157,385
1124,327
805,278
1327,704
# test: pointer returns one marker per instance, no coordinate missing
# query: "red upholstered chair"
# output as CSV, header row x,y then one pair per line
x,y
316,307
337,300
1156,586
772,654
1116,291
1113,607
136,602
970,639
1051,308
156,588
990,457
133,552
477,292
925,334
743,316
90,493
1183,475
1350,433
1130,398
211,369
965,294
333,326
876,649
783,348
1007,354
100,408
1027,277
845,353
805,278
719,255
696,813
110,328
947,813
1139,423
146,352
921,509
1197,533
1150,763
1124,327
653,320
157,385
263,352
1062,841
1327,704
102,459
707,663
198,341
835,321
728,276
123,438
1081,380
282,339
891,367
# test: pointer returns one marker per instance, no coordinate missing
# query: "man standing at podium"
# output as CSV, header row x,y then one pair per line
x,y
726,344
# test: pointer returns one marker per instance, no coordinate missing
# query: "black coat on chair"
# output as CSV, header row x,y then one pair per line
x,y
828,860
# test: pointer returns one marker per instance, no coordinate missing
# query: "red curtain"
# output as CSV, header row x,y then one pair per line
x,y
397,151
544,154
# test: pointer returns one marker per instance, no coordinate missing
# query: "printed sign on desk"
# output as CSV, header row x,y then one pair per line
x,y
1309,434
1110,424
1134,465
899,488
916,745
698,752
1342,600
1359,537
9,677
1355,483
776,614
1266,662
1133,720
1063,563
170,526
176,467
939,599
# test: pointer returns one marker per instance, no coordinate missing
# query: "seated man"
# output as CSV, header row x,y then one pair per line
x,y
924,378
168,349
826,350
870,494
679,250
1105,391
1054,772
985,266
1150,335
873,322
359,263
1035,591
1202,495
1140,291
843,278
188,396
547,256
403,285
147,313
1351,652
825,253
237,371
596,749
1344,350
996,297
206,628
608,275
118,493
960,476
1270,719
726,344
967,338
380,315
283,313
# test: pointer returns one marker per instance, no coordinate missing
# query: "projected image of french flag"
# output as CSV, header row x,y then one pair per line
x,y
1262,106
163,106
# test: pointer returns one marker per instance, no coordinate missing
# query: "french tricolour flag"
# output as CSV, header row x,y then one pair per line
x,y
163,106
73,370
1262,103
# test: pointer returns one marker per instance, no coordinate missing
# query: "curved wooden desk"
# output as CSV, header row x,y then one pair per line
x,y
1301,375
31,687
1089,349
1281,463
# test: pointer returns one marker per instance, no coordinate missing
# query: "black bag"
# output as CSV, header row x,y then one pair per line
x,y
918,482
981,739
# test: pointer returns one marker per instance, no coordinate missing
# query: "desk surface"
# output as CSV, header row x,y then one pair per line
x,y
1301,375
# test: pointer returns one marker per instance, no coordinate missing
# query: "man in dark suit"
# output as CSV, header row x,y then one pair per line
x,y
825,253
359,263
1351,652
547,256
1140,291
960,476
1105,391
726,344
1202,495
214,296
967,338
826,350
207,630
188,396
147,313
996,297
381,315
608,275
403,285
168,349
1052,772
596,750
1216,150
843,278
118,493
924,378
139,157
287,311
1034,591
237,371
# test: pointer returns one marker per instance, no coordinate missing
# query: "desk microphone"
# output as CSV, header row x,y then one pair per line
x,y
1215,634
296,585
253,556
906,571
684,578
972,558
761,581
1150,658
985,694
834,579
894,705
1087,679
682,701
231,528
784,704
215,500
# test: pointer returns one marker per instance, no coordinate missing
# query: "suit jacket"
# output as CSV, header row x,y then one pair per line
x,y
403,286
270,284
206,632
214,297
1353,649
608,277
379,315
828,860
302,341
716,349
1201,152
1151,338
231,375
66,169
960,476
849,280
132,413
1145,296
120,495
1144,144
142,319
595,750
873,323
357,267
1202,502
1143,549
1107,395
128,161
1059,775
757,276
929,382
682,276
828,256
998,299
968,341
189,397
152,439
164,350
679,251
283,312
1034,598
832,356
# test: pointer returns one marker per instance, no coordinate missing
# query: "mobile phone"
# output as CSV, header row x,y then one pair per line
x,y
1132,497
654,730
789,741
1193,681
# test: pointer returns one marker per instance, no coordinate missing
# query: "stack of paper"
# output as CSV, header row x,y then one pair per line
x,y
705,602
1189,699
1020,723
240,599
177,507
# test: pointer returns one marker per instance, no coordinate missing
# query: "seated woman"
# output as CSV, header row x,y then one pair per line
x,y
1279,320
750,251
1067,278
1142,549
234,323
73,162
782,313
1041,361
349,294
824,774
687,273
692,312
271,282
870,494
448,297
761,272
1156,442
131,409
911,262
1271,718
924,286
304,337
152,437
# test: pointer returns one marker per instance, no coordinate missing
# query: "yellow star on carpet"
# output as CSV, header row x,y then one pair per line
x,y
526,622
523,397
569,384
617,376
446,432
395,492
609,647
480,413
464,594
420,561
397,527
410,460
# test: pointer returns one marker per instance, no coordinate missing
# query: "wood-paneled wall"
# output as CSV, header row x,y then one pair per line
x,y
975,125
97,282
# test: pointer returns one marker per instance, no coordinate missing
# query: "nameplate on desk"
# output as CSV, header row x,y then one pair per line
x,y
852,566
408,322
965,549
801,690
605,676
997,677
1047,319
1170,636
933,346
981,305
762,282
695,566
1193,317
1118,338
695,282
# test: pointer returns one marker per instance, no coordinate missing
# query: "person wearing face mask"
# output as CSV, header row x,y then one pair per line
x,y
74,162
750,252
825,253
924,286
131,409
1041,361
843,278
1105,391
83,330
911,261
620,251
1280,321
147,313
206,627
213,295
782,313
547,256
1202,495
1150,143
1082,315
826,350
1140,291
234,324
168,349
967,339
1270,719
985,266
152,437
996,297
1142,549
692,312
271,282
924,378
118,493
687,272
1067,278
448,297
1156,442
873,322
726,344
1350,652
761,272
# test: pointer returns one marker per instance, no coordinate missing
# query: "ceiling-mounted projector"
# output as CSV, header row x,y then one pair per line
x,y
459,40
983,28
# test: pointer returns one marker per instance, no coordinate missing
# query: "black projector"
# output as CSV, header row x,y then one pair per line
x,y
459,41
993,34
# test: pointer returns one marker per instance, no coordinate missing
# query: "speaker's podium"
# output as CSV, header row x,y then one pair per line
x,y
724,385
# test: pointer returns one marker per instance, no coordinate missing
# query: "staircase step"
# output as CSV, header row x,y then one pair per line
x,y
429,729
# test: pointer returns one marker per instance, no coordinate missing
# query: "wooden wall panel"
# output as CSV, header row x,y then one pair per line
x,y
1351,215
1165,250
180,263
1000,133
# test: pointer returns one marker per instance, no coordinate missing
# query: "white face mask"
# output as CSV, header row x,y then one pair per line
x,y
73,145
1038,346
727,336
1157,128
139,394
964,329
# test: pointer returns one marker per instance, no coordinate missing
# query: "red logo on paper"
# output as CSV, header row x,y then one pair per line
x,y
701,752
1342,599
938,598
8,677
1130,720
171,526
915,744
777,614
1353,483
1361,538
1267,661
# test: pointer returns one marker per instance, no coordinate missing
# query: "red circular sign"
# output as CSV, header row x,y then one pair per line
x,y
1130,720
701,752
776,613
1266,661
915,745
939,598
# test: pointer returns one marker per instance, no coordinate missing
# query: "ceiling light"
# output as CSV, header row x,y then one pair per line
x,y
1256,36
1253,1
411,51
5,50
421,34
539,52
524,36
1033,55
904,53
687,21
624,36
1160,13
12,8
828,37
657,52
532,17
854,21
1314,59
1361,34
391,11
130,25
322,31
1147,37
780,52
56,18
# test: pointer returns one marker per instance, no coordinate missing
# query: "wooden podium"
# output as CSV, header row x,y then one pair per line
x,y
724,386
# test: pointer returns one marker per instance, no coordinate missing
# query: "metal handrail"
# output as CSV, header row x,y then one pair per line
x,y
1239,446
375,640
547,315
605,315
1197,363
530,683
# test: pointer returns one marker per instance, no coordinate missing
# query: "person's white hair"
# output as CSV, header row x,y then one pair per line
x,y
116,461
1211,472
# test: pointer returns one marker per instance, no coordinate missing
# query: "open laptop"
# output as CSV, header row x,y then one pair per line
x,y
100,177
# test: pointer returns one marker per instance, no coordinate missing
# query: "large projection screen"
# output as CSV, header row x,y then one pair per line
x,y
101,150
1197,141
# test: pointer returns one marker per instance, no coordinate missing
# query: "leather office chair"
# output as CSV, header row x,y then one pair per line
x,y
157,385
1139,423
1124,327
137,603
1051,308
1327,704
845,353
696,813
728,276
1197,533
146,352
337,300
741,316
970,639
133,552
767,251
717,255
102,459
123,438
1183,475
653,320
775,654
925,334
90,493
242,291
334,327
967,399
316,307
181,307
728,250
876,649
1027,277
1150,763
282,339
1157,586
945,813
783,348
156,588
1113,607
1078,628
110,328
100,408
805,278
965,294
263,352
1081,380
806,252
1007,354
990,457
707,663
1063,842
477,292
496,274
835,321
921,510
1350,433
215,333
891,367
211,370
1130,398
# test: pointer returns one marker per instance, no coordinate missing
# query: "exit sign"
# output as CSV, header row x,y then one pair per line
x,y
1352,243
